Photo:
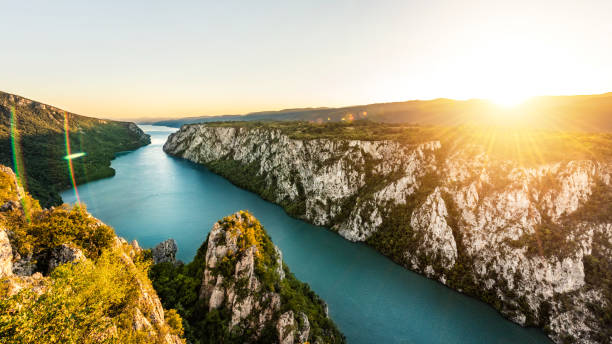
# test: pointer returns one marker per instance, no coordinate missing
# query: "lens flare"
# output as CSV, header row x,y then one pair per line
x,y
74,155
18,166
69,156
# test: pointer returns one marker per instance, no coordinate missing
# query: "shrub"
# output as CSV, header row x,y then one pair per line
x,y
83,303
50,228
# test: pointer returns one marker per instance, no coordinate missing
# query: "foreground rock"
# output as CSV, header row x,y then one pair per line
x,y
535,242
87,291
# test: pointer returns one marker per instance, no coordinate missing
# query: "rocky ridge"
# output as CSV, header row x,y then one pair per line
x,y
33,273
243,273
532,241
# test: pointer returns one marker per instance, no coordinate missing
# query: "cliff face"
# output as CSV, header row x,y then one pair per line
x,y
535,242
238,240
64,290
244,293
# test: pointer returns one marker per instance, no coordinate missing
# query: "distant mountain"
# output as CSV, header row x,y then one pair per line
x,y
299,114
33,143
584,113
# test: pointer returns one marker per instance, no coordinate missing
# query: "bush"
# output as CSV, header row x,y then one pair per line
x,y
50,228
82,304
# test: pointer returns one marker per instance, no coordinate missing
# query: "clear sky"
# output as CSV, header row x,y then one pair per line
x,y
127,59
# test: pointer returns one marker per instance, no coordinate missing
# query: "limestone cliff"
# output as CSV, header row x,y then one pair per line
x,y
533,241
245,293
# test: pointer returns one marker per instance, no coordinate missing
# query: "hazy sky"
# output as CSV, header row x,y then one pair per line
x,y
120,59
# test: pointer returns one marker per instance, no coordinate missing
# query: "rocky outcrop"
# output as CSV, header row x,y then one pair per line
x,y
164,252
533,241
63,254
6,255
241,276
148,313
139,133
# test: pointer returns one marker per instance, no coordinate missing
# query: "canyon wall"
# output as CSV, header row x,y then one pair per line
x,y
535,242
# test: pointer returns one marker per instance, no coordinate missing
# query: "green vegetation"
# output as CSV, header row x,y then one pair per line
x,y
50,228
549,239
34,231
179,288
598,275
93,301
598,208
395,236
83,303
526,147
247,177
40,141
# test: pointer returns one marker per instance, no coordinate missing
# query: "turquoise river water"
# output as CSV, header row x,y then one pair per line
x,y
154,196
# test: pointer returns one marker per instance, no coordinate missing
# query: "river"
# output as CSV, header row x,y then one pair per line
x,y
154,196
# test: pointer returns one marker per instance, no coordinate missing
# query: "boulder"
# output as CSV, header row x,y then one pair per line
x,y
165,251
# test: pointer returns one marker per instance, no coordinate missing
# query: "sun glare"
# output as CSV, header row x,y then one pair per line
x,y
508,100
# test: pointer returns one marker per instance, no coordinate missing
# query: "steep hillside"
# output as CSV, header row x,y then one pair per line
x,y
66,278
573,113
238,290
520,219
33,141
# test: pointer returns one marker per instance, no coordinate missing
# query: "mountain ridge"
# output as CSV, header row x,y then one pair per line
x,y
568,113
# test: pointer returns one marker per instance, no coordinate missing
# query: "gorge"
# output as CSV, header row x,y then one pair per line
x,y
534,241
154,196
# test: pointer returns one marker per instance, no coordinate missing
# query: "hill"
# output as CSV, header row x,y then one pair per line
x,y
33,141
583,113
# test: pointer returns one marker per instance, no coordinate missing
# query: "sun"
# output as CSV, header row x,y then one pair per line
x,y
508,100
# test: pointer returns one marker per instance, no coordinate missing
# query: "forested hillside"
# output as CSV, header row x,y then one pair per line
x,y
33,142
